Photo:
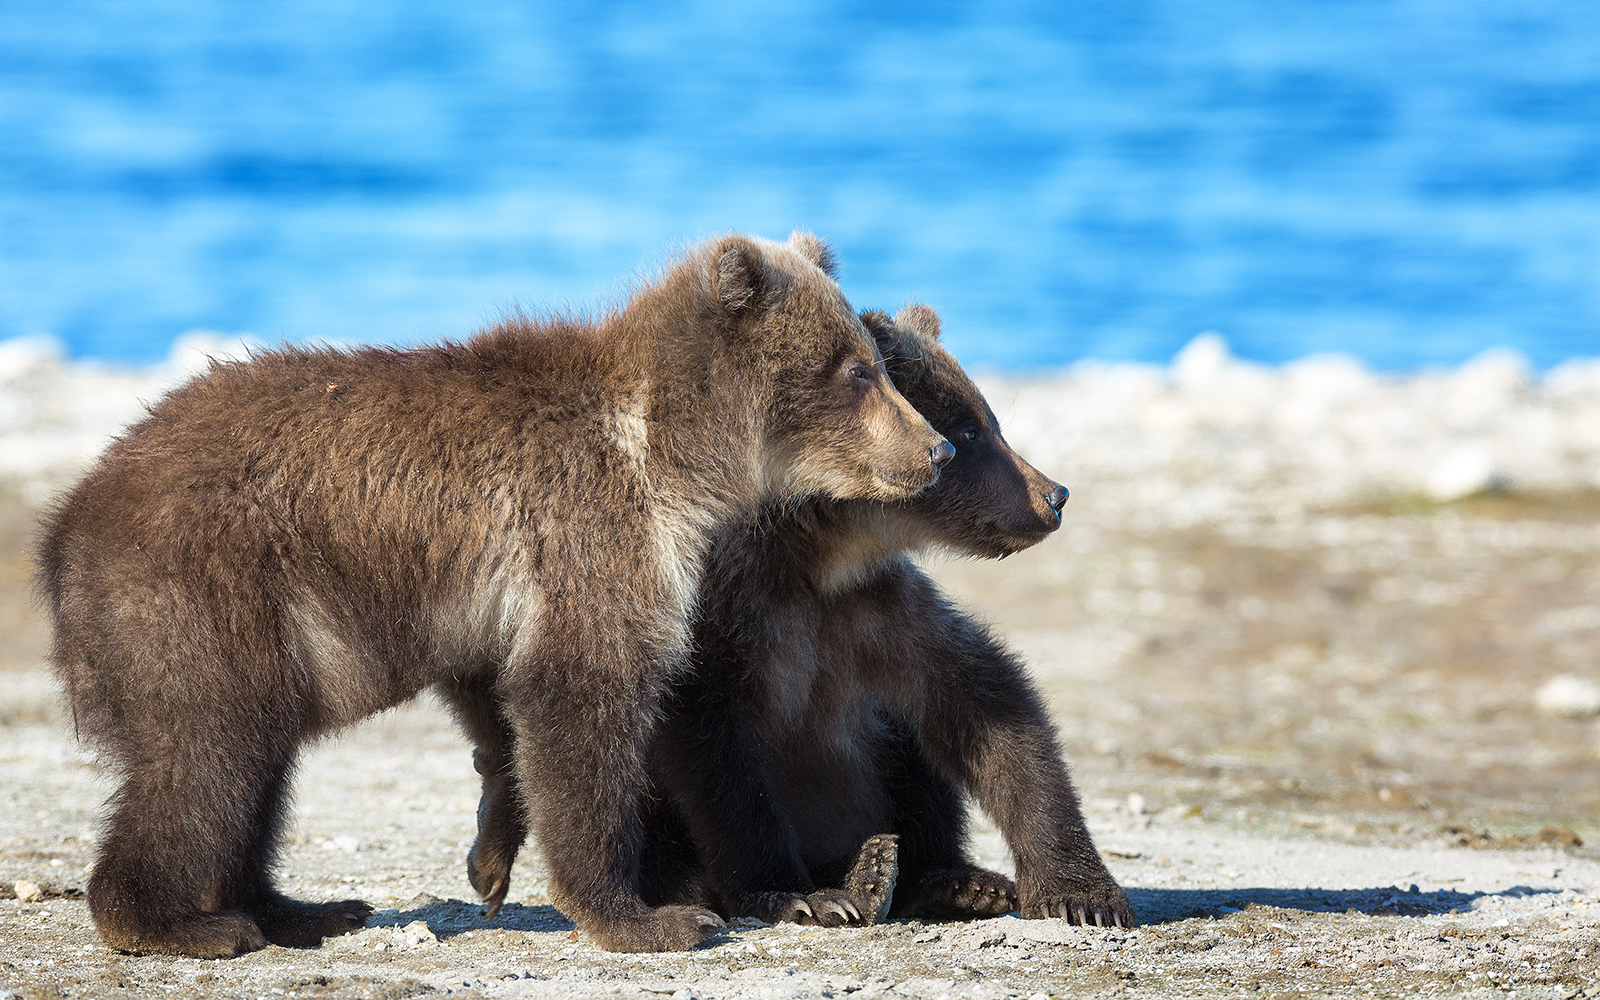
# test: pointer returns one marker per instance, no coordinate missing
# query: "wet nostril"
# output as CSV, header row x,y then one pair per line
x,y
942,452
1056,498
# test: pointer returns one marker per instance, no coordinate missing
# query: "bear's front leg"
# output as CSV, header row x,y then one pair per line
x,y
581,717
1077,889
502,828
981,719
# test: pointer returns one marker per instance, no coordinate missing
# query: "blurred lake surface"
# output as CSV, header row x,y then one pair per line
x,y
1408,181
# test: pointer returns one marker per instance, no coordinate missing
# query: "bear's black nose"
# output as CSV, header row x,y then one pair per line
x,y
941,453
1056,498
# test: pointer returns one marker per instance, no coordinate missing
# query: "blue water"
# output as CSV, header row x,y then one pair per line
x,y
1410,181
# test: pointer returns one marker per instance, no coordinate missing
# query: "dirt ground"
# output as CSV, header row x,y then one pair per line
x,y
1307,742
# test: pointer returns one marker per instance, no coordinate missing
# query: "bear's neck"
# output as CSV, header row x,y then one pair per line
x,y
838,545
692,416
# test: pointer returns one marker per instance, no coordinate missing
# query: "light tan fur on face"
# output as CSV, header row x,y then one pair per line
x,y
886,426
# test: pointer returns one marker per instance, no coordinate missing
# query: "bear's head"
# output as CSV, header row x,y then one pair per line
x,y
835,426
988,501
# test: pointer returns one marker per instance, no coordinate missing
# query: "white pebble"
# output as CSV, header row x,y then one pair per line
x,y
28,892
418,934
1575,697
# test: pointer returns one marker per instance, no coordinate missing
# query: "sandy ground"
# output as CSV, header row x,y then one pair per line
x,y
1307,743
386,813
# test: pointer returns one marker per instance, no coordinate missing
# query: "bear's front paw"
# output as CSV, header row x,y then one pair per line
x,y
774,907
490,875
296,924
1101,904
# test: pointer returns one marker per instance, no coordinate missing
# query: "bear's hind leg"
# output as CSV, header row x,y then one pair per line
x,y
964,893
937,876
863,895
156,885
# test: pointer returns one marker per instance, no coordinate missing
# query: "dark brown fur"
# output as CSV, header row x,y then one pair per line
x,y
837,694
289,544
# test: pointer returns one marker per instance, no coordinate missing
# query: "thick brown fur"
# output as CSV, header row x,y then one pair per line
x,y
837,694
288,544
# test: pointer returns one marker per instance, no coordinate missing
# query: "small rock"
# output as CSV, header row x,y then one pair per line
x,y
28,892
1558,836
1565,694
418,934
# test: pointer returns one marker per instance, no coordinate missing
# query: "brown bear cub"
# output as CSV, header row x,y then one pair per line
x,y
289,544
837,694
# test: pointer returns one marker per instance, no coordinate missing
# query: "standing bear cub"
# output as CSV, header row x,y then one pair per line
x,y
289,544
837,696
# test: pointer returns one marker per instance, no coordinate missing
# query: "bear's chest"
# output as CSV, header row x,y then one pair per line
x,y
813,679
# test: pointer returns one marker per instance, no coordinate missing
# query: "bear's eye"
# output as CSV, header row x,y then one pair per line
x,y
861,371
969,432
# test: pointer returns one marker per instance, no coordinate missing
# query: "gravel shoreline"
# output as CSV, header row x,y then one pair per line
x,y
386,813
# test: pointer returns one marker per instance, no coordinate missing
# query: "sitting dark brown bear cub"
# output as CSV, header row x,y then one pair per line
x,y
838,695
289,544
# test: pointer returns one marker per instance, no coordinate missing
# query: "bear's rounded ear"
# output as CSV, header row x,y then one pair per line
x,y
877,321
816,251
880,327
738,275
920,319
